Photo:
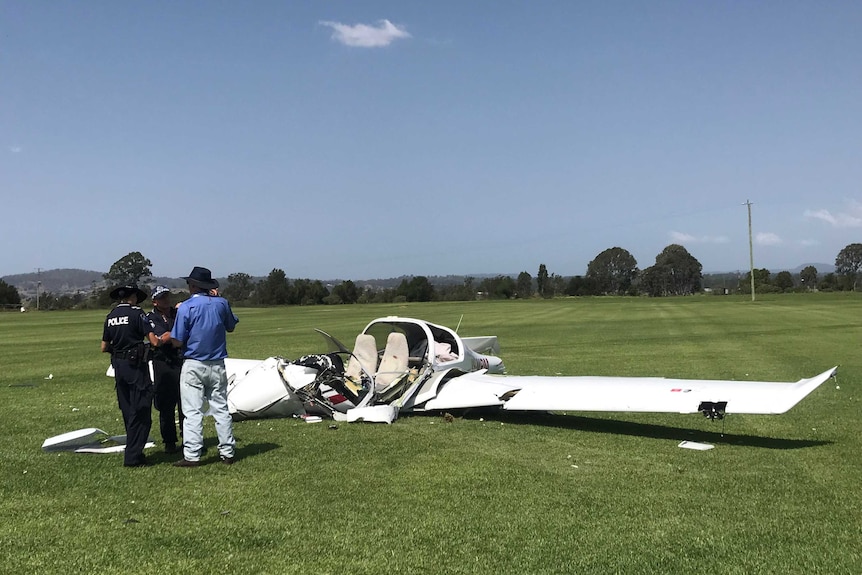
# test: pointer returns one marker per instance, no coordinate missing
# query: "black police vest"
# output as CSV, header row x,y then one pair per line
x,y
125,327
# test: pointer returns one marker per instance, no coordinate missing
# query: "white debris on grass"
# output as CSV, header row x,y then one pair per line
x,y
695,445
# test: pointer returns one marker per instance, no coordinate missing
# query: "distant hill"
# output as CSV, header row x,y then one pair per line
x,y
58,281
822,269
71,281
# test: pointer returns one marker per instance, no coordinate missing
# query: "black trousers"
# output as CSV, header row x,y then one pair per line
x,y
135,398
167,398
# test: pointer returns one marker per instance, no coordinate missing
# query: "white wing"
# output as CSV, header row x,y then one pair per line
x,y
641,394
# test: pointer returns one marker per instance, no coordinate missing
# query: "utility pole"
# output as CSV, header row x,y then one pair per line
x,y
750,248
38,285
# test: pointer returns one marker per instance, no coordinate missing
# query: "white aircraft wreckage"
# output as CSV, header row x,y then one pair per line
x,y
406,365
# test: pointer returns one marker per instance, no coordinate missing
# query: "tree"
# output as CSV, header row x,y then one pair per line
x,y
558,285
654,281
763,282
676,272
239,287
542,286
500,287
581,286
307,292
613,271
346,292
417,289
129,269
848,262
525,285
315,293
784,281
761,277
828,283
466,291
808,276
274,289
9,294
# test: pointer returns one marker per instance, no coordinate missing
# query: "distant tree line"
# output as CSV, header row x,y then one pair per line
x,y
614,271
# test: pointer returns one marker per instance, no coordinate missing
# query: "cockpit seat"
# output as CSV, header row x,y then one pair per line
x,y
393,364
364,358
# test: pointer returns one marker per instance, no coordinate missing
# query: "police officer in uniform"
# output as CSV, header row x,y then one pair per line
x,y
167,362
123,336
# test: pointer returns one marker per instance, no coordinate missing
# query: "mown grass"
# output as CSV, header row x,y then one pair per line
x,y
487,493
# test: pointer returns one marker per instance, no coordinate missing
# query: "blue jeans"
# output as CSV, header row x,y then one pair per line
x,y
200,380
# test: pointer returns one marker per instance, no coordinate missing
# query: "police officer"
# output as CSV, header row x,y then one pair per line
x,y
167,362
123,336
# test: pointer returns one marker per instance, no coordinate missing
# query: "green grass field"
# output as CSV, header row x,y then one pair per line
x,y
498,493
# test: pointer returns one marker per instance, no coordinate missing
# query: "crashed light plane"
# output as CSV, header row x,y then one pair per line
x,y
401,365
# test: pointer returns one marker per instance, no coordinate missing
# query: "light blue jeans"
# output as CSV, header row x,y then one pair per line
x,y
201,380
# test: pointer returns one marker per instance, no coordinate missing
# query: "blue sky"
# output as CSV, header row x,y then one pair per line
x,y
359,140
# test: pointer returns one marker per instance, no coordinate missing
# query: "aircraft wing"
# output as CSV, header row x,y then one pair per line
x,y
713,398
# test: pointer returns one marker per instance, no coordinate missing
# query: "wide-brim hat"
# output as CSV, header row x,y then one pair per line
x,y
202,277
123,292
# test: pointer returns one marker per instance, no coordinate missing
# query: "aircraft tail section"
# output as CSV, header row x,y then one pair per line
x,y
482,344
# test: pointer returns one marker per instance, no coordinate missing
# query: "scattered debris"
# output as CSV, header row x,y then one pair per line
x,y
50,376
89,440
130,520
695,445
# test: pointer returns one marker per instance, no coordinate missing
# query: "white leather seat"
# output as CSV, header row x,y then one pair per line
x,y
393,365
364,358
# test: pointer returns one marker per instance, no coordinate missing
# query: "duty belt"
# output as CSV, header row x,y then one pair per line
x,y
121,354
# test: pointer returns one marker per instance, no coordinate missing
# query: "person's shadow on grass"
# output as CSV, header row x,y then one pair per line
x,y
210,454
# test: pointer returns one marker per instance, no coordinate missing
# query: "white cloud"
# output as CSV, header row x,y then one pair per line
x,y
682,237
850,218
768,239
15,149
365,36
808,243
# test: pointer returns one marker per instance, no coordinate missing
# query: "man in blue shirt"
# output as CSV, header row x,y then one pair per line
x,y
200,328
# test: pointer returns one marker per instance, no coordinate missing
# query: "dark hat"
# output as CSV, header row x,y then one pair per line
x,y
202,278
160,291
125,291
